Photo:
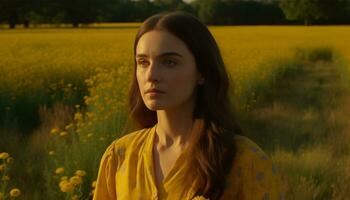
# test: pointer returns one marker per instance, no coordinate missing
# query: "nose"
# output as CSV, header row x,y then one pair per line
x,y
153,73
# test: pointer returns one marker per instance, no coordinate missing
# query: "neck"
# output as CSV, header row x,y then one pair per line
x,y
174,127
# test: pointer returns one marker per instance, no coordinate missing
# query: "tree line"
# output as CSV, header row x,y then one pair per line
x,y
211,12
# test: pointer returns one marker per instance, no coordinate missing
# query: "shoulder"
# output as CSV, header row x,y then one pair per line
x,y
252,158
256,171
113,158
249,151
128,142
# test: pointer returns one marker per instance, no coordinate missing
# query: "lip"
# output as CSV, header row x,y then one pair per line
x,y
154,91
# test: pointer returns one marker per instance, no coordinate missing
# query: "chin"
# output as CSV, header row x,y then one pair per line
x,y
155,107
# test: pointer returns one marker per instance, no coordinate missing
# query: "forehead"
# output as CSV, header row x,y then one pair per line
x,y
155,42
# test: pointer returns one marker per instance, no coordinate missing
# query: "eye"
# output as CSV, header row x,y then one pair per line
x,y
169,62
142,62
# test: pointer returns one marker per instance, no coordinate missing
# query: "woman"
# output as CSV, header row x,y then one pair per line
x,y
188,145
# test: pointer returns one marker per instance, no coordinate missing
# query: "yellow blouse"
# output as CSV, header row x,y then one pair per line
x,y
126,172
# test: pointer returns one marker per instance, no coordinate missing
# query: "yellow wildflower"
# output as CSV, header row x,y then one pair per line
x,y
51,153
76,180
88,100
90,115
5,178
62,182
77,106
80,173
93,184
88,81
9,159
59,170
66,186
4,155
2,167
78,116
89,135
63,133
15,192
54,131
69,126
75,197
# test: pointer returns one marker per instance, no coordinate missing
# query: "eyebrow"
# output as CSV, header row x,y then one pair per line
x,y
161,55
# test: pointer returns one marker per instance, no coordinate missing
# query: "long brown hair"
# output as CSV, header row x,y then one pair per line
x,y
212,148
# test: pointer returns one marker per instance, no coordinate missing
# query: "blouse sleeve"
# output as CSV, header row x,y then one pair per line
x,y
105,183
261,180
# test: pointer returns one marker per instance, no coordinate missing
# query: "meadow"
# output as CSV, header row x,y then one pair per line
x,y
63,99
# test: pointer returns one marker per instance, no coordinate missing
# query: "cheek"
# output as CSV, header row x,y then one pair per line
x,y
139,83
184,83
138,78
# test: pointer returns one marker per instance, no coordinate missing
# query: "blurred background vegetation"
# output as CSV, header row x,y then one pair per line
x,y
223,12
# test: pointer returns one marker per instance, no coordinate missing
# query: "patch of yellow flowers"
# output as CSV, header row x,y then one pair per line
x,y
14,193
5,160
71,185
68,184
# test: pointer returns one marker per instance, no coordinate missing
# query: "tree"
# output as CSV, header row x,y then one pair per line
x,y
25,11
169,3
309,10
252,12
28,11
81,11
143,9
10,10
208,10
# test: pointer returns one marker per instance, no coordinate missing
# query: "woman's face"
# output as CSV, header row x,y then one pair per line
x,y
165,63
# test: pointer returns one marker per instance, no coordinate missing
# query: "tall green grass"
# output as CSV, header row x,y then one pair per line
x,y
302,121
